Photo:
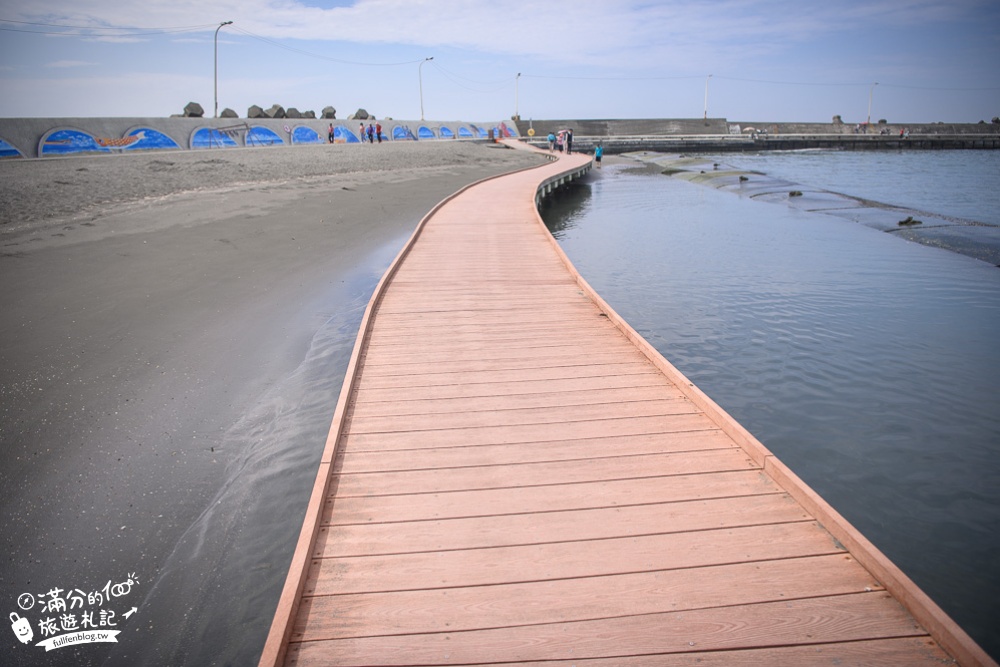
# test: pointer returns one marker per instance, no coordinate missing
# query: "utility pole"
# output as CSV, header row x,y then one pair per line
x,y
517,80
705,117
420,77
870,93
216,78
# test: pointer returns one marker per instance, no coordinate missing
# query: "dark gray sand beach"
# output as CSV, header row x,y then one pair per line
x,y
173,342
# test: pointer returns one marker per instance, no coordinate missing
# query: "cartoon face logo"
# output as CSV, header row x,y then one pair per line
x,y
21,627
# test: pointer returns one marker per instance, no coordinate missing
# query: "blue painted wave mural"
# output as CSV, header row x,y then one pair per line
x,y
146,139
306,135
209,137
263,136
8,151
69,142
342,135
402,132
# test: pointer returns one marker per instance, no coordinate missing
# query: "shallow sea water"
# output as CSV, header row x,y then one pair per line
x,y
867,363
959,183
214,598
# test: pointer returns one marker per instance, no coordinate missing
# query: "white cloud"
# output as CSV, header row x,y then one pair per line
x,y
617,32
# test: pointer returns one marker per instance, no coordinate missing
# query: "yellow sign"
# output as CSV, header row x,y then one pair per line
x,y
531,131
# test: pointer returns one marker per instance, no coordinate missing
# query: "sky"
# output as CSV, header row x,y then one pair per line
x,y
904,61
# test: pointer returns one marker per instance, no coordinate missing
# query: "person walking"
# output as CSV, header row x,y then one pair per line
x,y
329,135
552,141
362,133
371,133
598,154
378,131
569,141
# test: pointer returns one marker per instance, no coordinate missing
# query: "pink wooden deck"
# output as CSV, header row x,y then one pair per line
x,y
513,475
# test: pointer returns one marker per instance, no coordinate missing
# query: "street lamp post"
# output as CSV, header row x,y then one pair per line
x,y
517,80
870,93
216,78
705,117
420,78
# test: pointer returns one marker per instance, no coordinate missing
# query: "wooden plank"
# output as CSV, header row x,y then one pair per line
x,y
643,376
401,347
548,527
809,622
344,509
365,407
544,562
360,460
569,600
379,357
570,370
478,305
516,476
430,336
901,652
500,435
503,414
425,369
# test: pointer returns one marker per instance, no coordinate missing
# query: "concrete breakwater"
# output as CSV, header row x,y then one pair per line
x,y
720,135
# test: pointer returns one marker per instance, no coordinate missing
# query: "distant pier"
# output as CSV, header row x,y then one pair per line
x,y
716,135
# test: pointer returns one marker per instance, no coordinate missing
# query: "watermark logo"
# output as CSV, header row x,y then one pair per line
x,y
68,617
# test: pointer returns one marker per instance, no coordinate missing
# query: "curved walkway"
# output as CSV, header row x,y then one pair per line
x,y
514,475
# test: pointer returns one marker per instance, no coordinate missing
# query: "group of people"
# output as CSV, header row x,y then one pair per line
x,y
564,141
561,141
370,134
373,132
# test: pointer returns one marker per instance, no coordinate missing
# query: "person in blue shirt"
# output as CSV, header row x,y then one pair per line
x,y
552,141
598,154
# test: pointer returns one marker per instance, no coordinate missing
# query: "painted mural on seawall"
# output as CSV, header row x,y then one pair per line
x,y
64,141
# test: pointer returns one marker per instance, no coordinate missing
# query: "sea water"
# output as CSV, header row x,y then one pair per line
x,y
955,183
869,364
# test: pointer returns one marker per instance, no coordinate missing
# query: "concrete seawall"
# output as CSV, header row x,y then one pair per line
x,y
46,137
53,137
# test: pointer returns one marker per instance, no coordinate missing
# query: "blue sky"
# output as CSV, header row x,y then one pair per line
x,y
770,60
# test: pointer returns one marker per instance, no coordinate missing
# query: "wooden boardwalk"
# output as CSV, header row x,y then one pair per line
x,y
514,476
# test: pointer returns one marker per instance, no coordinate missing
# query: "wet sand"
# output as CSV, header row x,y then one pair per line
x,y
155,310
